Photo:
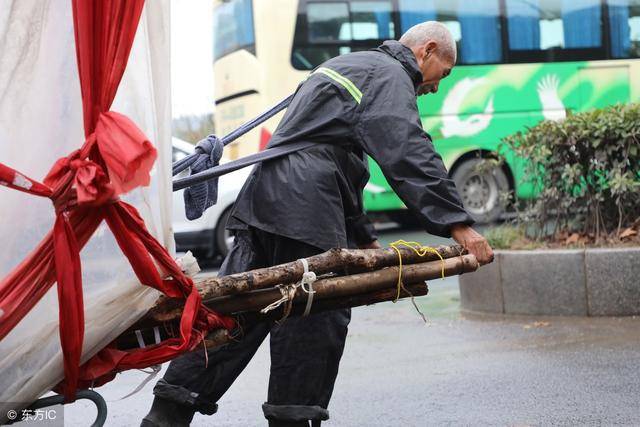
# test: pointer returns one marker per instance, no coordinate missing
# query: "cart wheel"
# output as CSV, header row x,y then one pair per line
x,y
91,395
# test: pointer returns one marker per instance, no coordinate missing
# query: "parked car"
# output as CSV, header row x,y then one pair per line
x,y
206,236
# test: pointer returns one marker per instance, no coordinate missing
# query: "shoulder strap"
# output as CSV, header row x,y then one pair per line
x,y
262,156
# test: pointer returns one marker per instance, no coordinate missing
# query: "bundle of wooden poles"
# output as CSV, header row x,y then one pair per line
x,y
345,278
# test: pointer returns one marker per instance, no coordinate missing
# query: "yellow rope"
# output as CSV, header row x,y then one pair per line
x,y
420,250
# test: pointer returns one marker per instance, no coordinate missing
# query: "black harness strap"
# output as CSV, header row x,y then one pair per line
x,y
184,163
262,156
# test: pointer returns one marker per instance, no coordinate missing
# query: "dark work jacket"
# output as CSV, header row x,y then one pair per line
x,y
315,195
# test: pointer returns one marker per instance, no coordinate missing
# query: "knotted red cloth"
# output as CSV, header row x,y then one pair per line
x,y
84,187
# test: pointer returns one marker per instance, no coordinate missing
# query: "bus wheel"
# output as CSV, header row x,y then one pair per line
x,y
481,190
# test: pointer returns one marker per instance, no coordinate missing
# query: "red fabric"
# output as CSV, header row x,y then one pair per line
x,y
71,313
128,154
104,33
13,179
115,158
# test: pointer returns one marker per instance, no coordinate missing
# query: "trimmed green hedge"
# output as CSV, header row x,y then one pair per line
x,y
586,171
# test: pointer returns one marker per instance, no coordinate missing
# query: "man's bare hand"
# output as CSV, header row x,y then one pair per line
x,y
372,245
475,243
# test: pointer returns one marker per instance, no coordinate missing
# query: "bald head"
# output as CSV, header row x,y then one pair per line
x,y
435,52
420,34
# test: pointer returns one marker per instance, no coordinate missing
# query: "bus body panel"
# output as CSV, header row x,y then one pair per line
x,y
472,110
476,106
263,75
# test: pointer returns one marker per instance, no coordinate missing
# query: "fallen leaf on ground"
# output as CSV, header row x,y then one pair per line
x,y
572,239
629,232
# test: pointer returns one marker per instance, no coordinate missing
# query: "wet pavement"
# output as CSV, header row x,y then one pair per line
x,y
459,369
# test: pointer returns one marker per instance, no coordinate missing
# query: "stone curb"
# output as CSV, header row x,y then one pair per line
x,y
572,282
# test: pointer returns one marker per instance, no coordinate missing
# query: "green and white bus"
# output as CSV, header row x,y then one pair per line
x,y
519,62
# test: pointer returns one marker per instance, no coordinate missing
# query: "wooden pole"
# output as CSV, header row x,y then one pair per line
x,y
128,340
222,336
341,261
338,287
333,287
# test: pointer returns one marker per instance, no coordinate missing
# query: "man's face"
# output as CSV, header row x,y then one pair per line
x,y
433,66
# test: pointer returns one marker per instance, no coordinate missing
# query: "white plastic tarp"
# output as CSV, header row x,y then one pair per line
x,y
40,121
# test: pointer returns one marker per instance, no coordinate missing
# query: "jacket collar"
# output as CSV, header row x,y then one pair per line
x,y
405,56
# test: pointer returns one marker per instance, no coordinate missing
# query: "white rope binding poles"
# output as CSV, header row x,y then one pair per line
x,y
289,291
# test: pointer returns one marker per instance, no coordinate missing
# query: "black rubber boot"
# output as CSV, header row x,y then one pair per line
x,y
165,413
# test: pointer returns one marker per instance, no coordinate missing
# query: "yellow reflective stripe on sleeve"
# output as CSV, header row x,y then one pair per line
x,y
345,82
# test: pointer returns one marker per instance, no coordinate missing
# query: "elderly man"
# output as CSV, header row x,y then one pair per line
x,y
358,104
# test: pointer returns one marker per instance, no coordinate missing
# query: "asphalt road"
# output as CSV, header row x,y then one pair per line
x,y
455,370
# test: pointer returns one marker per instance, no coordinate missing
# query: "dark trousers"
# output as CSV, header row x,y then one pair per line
x,y
305,351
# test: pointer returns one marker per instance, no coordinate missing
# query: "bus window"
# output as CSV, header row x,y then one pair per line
x,y
582,23
233,28
414,12
356,20
554,30
328,29
326,21
481,42
474,25
371,20
624,23
532,27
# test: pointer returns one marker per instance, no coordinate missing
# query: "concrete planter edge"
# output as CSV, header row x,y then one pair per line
x,y
568,282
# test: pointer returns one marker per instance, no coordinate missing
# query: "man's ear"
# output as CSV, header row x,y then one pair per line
x,y
430,48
